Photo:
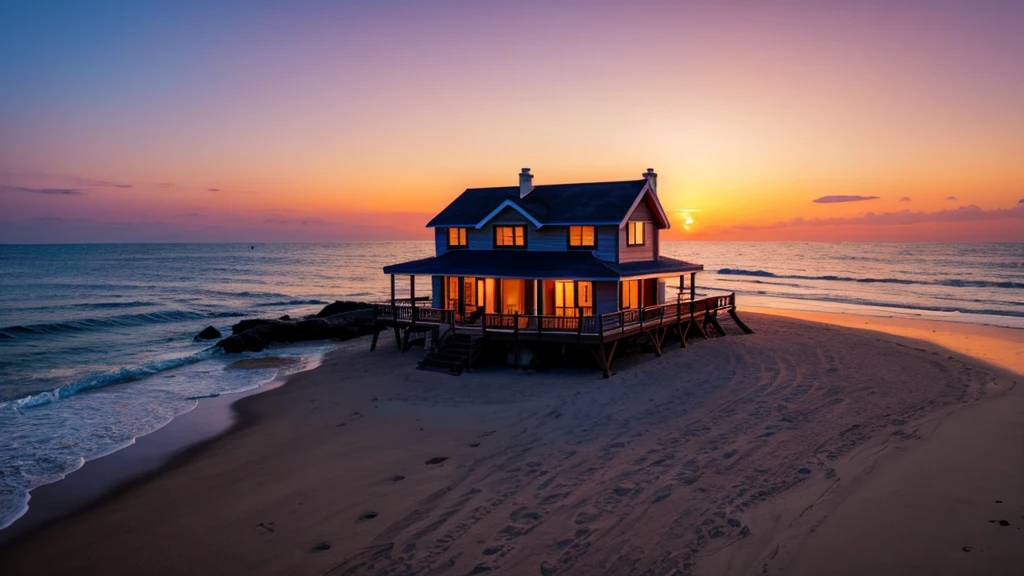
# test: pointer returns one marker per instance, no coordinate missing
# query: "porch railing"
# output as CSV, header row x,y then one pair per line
x,y
621,321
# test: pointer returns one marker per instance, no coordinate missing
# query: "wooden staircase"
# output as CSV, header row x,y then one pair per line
x,y
454,354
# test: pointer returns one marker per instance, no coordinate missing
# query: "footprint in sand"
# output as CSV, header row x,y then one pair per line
x,y
436,460
492,550
365,517
397,478
321,547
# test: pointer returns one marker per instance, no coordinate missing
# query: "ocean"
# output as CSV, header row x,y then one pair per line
x,y
96,341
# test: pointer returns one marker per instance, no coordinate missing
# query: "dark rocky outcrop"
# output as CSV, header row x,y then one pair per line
x,y
285,317
255,335
208,333
342,306
249,324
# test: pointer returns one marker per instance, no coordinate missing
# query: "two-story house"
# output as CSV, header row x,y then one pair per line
x,y
580,262
550,250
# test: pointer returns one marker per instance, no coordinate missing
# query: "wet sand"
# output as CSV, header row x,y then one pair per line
x,y
802,449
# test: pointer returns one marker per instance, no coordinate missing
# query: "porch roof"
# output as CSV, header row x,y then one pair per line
x,y
537,264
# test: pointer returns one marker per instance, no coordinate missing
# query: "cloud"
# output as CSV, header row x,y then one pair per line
x,y
901,218
905,199
213,189
950,197
102,183
1021,201
165,185
835,199
48,191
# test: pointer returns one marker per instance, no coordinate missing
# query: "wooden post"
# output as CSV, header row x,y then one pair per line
x,y
412,290
515,340
376,328
461,291
693,286
605,364
392,290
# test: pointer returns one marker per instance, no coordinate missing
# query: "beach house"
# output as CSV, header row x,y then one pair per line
x,y
560,263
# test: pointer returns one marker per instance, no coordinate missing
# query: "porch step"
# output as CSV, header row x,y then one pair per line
x,y
454,354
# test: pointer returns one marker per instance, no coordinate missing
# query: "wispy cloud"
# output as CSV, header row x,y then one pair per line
x,y
100,183
843,198
901,218
905,199
165,185
1021,201
47,191
213,189
950,197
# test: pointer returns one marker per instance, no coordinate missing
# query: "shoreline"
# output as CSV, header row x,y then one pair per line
x,y
172,445
245,416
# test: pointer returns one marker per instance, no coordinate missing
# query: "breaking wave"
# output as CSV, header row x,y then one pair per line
x,y
948,282
105,379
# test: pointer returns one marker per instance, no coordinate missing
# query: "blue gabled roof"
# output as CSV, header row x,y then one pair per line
x,y
588,203
537,264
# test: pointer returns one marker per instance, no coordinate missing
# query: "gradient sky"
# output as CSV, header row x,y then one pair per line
x,y
317,121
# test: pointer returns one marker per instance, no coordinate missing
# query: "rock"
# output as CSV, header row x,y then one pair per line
x,y
254,335
339,307
244,325
285,318
208,333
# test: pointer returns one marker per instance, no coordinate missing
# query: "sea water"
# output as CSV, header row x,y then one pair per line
x,y
96,343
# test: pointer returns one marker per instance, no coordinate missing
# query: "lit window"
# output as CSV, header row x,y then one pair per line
x,y
509,236
631,294
582,236
635,234
457,238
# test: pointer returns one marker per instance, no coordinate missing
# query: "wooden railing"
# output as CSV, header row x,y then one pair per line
x,y
622,321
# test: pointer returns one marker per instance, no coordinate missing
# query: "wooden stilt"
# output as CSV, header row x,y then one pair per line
x,y
405,341
683,331
605,364
611,354
653,337
746,329
376,334
717,326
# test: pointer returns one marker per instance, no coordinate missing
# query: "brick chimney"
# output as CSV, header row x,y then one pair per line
x,y
652,180
525,182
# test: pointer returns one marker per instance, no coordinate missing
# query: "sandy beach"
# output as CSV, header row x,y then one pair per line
x,y
805,448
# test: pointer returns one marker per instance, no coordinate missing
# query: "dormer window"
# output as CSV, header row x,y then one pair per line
x,y
635,234
509,237
582,237
457,238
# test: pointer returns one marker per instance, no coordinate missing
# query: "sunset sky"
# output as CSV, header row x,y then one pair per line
x,y
325,121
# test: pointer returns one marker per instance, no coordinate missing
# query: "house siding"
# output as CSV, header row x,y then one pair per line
x,y
649,251
437,286
607,244
607,297
440,241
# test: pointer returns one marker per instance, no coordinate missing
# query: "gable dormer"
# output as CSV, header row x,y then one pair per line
x,y
640,229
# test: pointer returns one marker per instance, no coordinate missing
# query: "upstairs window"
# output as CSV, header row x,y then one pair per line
x,y
457,238
509,236
635,234
582,237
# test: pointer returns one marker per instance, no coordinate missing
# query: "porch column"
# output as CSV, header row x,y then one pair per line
x,y
693,286
461,295
535,290
682,285
412,290
392,290
618,298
